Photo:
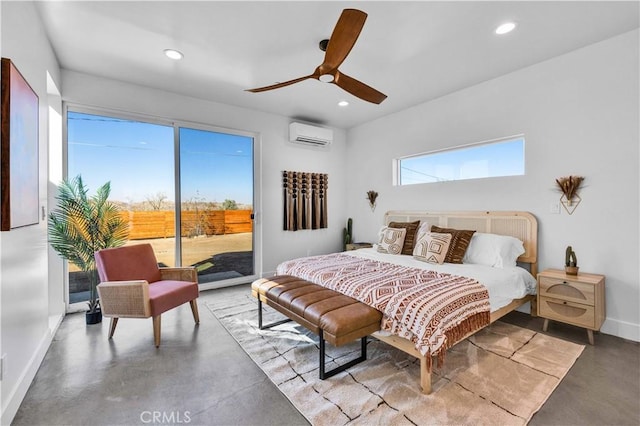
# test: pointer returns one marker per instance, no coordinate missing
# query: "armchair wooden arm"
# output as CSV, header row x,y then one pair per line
x,y
125,299
180,274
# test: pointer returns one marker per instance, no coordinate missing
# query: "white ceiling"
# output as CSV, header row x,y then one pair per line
x,y
411,51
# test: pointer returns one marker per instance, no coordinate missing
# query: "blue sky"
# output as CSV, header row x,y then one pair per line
x,y
472,162
138,159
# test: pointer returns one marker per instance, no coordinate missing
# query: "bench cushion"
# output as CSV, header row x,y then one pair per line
x,y
341,318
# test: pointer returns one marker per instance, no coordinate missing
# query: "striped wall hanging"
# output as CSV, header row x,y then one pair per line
x,y
305,200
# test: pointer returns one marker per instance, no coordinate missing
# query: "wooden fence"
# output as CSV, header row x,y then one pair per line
x,y
161,224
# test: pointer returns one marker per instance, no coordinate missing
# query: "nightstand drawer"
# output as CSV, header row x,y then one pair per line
x,y
572,291
566,311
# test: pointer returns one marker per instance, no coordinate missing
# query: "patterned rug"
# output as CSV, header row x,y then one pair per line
x,y
501,375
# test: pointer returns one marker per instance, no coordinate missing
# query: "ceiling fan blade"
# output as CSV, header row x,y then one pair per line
x,y
279,85
359,89
343,38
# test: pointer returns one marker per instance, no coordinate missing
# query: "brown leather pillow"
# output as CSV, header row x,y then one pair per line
x,y
409,239
460,240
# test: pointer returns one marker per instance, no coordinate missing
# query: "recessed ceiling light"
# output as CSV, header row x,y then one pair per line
x,y
507,27
173,54
343,103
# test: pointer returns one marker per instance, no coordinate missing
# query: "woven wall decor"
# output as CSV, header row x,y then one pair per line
x,y
305,200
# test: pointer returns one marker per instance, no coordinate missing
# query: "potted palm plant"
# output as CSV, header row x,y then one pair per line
x,y
82,225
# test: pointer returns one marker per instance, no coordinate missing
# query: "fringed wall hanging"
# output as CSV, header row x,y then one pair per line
x,y
305,200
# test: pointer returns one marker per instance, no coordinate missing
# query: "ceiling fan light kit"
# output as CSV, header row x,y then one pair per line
x,y
326,78
336,49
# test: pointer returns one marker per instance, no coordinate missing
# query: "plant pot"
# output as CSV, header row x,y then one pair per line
x,y
93,317
571,270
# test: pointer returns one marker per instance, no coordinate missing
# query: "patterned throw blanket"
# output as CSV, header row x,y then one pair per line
x,y
433,310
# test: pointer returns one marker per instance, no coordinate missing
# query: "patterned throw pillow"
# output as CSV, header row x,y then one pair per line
x,y
409,239
432,247
460,240
391,240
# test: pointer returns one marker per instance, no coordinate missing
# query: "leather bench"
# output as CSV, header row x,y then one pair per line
x,y
331,315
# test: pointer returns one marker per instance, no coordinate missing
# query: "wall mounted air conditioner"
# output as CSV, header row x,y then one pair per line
x,y
310,135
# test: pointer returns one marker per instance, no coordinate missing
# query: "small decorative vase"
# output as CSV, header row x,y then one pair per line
x,y
571,270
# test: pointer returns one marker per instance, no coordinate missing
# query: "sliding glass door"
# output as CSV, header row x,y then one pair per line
x,y
216,189
137,158
186,191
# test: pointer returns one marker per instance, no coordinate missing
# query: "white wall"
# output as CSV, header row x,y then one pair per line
x,y
277,154
25,331
580,115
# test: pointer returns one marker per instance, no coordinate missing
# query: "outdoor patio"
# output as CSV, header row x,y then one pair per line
x,y
216,257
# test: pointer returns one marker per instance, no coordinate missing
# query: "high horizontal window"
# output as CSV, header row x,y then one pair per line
x,y
503,157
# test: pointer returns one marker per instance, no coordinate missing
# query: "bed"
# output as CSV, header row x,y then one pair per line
x,y
508,285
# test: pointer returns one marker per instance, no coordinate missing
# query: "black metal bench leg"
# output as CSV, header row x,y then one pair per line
x,y
273,324
326,374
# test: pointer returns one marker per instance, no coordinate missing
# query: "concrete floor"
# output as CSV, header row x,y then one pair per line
x,y
201,376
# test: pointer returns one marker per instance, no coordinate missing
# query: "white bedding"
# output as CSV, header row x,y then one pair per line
x,y
503,284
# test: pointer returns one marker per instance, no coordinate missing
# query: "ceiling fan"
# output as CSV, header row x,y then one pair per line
x,y
337,48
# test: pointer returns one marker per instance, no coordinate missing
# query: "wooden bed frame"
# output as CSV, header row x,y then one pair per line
x,y
522,225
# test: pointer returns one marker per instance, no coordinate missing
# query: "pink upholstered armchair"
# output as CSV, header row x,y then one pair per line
x,y
133,286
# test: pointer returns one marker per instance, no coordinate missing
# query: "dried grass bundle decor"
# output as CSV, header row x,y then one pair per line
x,y
569,186
372,196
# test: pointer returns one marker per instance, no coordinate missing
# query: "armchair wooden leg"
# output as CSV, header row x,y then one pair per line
x,y
156,330
194,311
112,326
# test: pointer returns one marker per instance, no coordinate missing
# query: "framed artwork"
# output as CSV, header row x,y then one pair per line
x,y
19,198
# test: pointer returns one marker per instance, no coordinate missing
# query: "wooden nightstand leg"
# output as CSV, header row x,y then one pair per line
x,y
590,334
545,325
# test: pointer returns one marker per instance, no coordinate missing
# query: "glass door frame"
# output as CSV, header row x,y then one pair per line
x,y
256,228
176,124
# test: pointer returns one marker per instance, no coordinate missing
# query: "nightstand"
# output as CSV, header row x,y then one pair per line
x,y
356,246
572,299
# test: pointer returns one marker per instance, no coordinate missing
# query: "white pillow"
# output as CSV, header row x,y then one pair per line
x,y
391,240
432,247
498,251
422,229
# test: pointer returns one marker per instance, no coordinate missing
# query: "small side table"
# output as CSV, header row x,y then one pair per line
x,y
356,246
572,299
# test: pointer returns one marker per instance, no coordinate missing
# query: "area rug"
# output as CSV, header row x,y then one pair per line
x,y
501,375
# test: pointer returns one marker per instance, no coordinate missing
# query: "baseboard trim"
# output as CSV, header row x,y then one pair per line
x,y
19,391
622,329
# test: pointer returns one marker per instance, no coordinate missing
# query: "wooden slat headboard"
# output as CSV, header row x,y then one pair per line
x,y
521,225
